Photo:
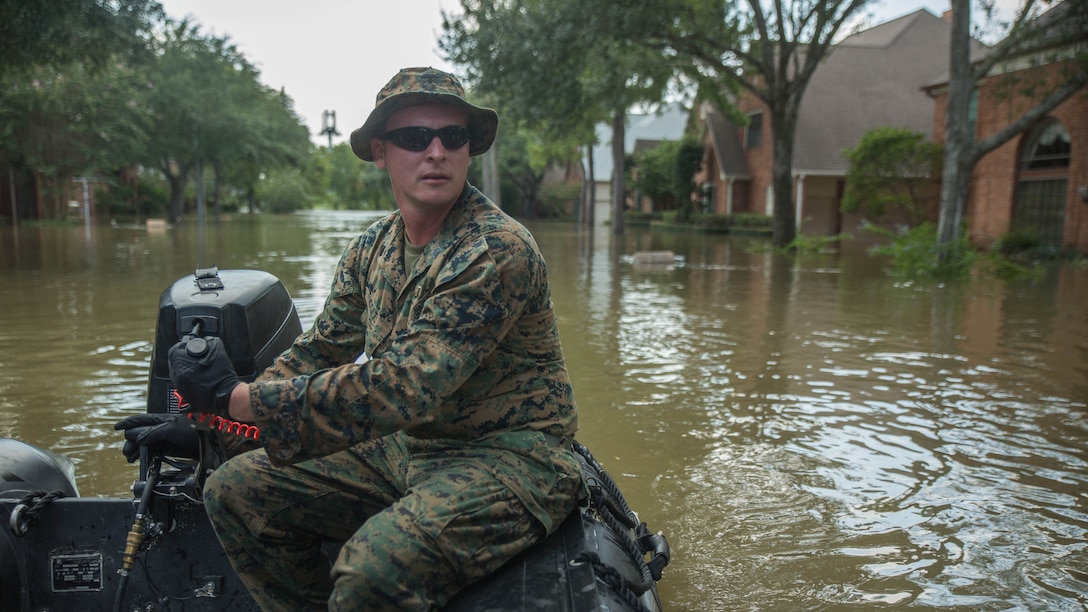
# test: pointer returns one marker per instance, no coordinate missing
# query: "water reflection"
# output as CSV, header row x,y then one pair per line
x,y
808,433
817,437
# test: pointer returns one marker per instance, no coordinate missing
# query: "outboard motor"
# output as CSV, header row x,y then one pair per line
x,y
61,552
249,310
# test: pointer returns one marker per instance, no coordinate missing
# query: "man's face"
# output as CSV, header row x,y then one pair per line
x,y
431,179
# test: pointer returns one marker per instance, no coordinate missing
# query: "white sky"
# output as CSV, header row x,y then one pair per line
x,y
336,54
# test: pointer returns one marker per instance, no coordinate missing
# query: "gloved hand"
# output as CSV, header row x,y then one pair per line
x,y
203,374
164,434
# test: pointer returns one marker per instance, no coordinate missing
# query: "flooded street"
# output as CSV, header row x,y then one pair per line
x,y
809,433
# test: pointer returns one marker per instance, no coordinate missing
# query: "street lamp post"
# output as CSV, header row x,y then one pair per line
x,y
328,125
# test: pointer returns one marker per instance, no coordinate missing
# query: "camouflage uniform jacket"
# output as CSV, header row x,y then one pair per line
x,y
463,347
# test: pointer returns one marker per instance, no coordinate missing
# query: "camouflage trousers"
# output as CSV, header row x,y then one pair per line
x,y
420,519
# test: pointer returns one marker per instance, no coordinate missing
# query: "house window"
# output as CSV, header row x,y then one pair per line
x,y
753,134
1041,202
1047,147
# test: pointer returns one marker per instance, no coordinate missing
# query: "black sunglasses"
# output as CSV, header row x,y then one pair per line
x,y
415,138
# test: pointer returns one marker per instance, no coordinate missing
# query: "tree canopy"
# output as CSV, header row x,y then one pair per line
x,y
667,170
89,32
554,56
892,169
769,49
116,84
210,107
558,67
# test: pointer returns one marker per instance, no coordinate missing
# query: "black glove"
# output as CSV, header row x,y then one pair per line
x,y
203,374
163,434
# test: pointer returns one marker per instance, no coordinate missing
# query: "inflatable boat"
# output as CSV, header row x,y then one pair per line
x,y
157,551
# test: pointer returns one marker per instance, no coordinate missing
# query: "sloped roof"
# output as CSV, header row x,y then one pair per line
x,y
880,36
668,124
1062,24
871,79
643,145
726,144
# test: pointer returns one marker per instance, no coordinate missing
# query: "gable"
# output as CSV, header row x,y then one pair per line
x,y
726,145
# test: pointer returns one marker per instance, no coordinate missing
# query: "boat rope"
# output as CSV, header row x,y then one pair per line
x,y
623,512
630,546
612,509
26,511
611,577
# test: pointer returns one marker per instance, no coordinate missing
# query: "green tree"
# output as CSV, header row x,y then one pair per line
x,y
91,33
67,83
284,191
210,109
667,171
769,49
69,121
1058,35
264,134
377,192
555,65
348,183
92,87
892,168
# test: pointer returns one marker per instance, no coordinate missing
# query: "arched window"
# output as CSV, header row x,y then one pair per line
x,y
1043,184
1047,147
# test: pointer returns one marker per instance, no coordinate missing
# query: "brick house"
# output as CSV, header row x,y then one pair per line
x,y
1036,184
870,79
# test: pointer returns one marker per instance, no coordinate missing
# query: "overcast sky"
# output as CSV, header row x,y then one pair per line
x,y
336,54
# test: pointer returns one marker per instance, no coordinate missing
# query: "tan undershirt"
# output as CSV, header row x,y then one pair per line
x,y
411,254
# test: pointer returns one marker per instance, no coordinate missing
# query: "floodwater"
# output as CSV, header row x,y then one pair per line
x,y
808,433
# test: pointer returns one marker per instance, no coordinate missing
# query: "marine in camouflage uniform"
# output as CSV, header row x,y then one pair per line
x,y
424,419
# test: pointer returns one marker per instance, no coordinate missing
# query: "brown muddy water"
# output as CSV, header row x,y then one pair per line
x,y
808,433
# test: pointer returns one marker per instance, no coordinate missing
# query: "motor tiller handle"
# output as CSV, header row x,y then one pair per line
x,y
197,346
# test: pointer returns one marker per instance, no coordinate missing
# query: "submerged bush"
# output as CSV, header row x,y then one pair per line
x,y
710,221
284,192
751,220
809,243
915,253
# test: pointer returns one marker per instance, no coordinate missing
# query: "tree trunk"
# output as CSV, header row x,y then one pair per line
x,y
198,171
590,204
217,189
177,191
14,199
490,170
38,197
618,200
783,128
956,176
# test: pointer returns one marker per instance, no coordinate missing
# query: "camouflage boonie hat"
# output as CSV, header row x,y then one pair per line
x,y
414,86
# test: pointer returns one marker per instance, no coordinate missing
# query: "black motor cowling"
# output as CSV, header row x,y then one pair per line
x,y
249,310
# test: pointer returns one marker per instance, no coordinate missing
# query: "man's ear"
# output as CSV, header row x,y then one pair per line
x,y
377,151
